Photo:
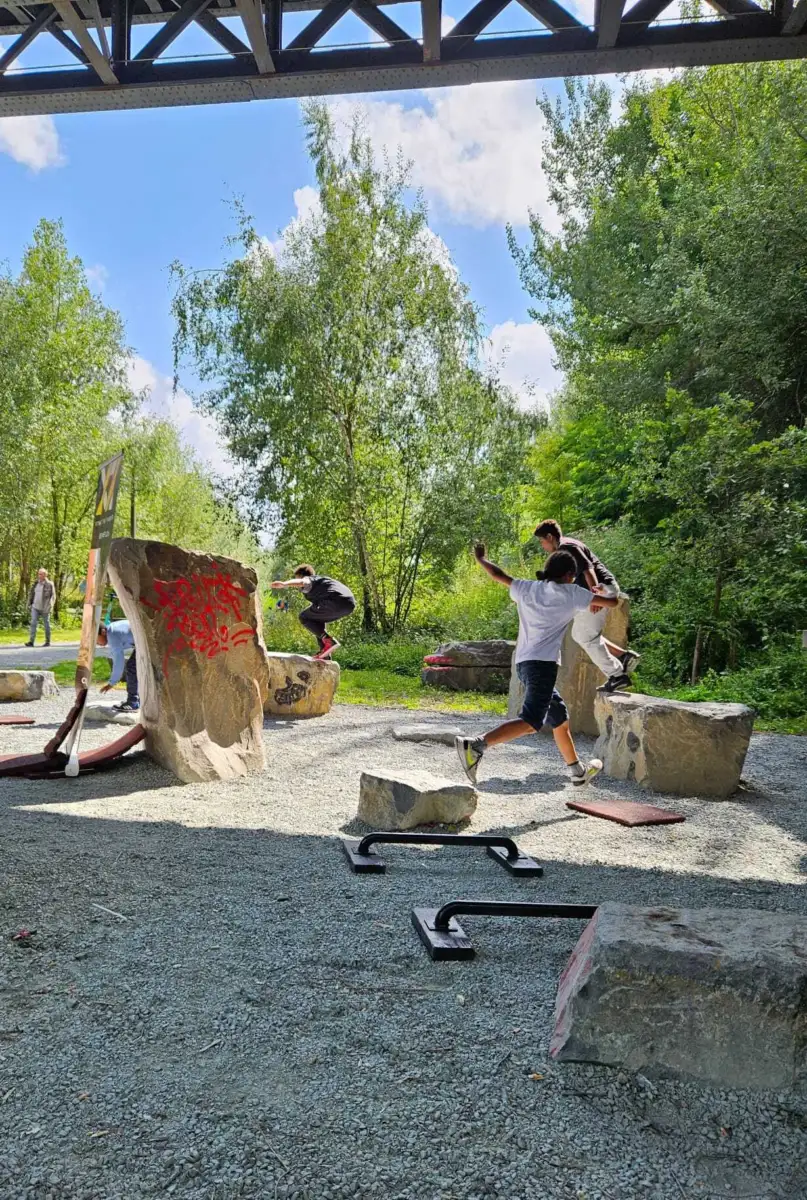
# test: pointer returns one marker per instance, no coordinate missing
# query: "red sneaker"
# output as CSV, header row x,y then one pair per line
x,y
329,644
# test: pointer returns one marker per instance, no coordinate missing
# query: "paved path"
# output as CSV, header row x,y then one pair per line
x,y
23,656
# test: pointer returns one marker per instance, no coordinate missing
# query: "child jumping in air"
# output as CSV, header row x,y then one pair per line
x,y
545,607
330,601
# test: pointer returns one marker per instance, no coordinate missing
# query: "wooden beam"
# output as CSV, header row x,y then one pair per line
x,y
74,23
251,14
431,14
607,19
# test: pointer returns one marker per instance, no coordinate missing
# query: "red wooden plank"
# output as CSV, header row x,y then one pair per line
x,y
17,721
103,754
66,725
625,812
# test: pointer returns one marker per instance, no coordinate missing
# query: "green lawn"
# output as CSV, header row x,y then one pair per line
x,y
18,637
386,689
389,690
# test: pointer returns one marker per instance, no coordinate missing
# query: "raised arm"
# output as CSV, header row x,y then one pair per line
x,y
604,602
495,572
284,583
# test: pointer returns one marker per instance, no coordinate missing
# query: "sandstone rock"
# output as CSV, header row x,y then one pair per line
x,y
107,713
710,994
673,746
578,678
298,686
408,798
200,655
491,653
469,666
466,679
27,685
441,734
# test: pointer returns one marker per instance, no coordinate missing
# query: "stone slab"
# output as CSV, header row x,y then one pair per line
x,y
443,735
405,799
578,678
714,995
466,679
494,652
106,713
296,685
673,746
626,812
27,685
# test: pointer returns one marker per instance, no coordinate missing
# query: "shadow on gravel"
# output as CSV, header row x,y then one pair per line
x,y
222,1012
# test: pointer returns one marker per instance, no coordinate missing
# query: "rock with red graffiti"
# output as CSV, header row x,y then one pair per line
x,y
201,660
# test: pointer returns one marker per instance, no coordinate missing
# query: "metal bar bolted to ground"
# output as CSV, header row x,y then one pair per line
x,y
446,940
250,59
503,850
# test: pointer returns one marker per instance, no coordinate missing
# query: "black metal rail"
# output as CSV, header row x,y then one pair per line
x,y
503,850
446,940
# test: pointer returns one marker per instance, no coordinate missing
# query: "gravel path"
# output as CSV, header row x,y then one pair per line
x,y
257,1022
38,658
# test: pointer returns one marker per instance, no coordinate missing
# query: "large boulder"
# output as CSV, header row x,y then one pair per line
x,y
27,685
469,666
298,686
404,799
578,678
673,746
710,994
200,656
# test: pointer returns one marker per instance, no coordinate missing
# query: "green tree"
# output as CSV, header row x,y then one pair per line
x,y
344,374
676,296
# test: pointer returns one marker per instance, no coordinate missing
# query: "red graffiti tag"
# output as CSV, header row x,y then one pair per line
x,y
193,609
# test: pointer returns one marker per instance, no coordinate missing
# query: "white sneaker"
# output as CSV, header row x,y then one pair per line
x,y
592,769
470,751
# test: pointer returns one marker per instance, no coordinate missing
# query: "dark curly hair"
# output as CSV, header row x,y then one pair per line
x,y
558,567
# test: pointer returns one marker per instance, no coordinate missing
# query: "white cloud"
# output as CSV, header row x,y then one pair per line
x,y
32,141
521,355
475,151
196,430
97,276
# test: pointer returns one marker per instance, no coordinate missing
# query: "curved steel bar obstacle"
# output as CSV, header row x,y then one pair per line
x,y
444,937
503,850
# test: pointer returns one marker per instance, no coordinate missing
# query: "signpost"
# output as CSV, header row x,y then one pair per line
x,y
106,497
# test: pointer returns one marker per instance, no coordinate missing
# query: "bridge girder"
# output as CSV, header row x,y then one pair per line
x,y
255,62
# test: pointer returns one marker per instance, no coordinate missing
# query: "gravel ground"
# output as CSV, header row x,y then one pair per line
x,y
257,1022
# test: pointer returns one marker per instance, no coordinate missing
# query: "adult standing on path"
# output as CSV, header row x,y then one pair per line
x,y
614,661
40,603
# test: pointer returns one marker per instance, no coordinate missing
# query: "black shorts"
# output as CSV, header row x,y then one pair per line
x,y
542,704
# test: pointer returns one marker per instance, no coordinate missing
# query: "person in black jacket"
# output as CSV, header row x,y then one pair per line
x,y
330,601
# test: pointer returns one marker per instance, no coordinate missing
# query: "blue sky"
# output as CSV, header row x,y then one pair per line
x,y
138,189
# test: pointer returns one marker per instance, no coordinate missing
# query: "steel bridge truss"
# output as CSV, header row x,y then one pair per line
x,y
252,59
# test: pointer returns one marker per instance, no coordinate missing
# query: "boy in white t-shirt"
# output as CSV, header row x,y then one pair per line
x,y
545,608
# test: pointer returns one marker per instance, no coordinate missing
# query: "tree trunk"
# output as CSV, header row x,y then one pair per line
x,y
132,507
697,654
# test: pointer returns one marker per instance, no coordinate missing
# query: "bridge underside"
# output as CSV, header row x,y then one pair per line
x,y
126,53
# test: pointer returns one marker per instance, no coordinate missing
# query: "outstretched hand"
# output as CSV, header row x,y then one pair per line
x,y
479,551
277,584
